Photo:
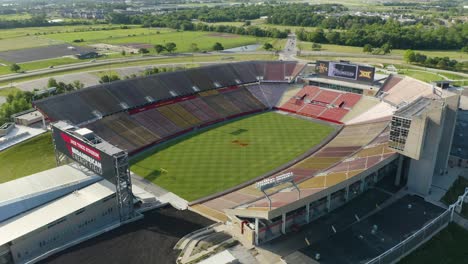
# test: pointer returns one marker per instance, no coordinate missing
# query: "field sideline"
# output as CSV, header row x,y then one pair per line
x,y
227,155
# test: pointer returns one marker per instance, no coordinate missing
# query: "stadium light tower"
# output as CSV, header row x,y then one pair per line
x,y
272,182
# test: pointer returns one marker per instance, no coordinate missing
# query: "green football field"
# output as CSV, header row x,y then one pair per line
x,y
228,154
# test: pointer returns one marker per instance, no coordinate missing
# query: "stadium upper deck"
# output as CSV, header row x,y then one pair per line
x,y
96,102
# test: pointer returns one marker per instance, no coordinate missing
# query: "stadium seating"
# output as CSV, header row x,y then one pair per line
x,y
274,72
321,103
391,81
167,112
312,110
110,98
155,121
196,111
184,114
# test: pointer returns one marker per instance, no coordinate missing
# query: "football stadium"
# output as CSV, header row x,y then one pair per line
x,y
262,147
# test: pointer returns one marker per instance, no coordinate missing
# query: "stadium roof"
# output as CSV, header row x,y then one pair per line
x,y
25,193
414,109
34,219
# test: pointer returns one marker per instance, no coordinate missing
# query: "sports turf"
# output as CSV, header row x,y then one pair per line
x,y
214,160
29,157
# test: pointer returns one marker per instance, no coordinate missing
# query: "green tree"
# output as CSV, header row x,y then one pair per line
x,y
194,47
409,56
15,67
171,47
316,46
368,48
218,46
267,46
123,53
159,48
52,83
386,48
78,85
464,49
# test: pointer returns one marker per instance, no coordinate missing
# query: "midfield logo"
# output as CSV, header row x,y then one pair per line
x,y
365,74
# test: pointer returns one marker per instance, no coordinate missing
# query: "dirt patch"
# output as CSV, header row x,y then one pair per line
x,y
221,35
240,143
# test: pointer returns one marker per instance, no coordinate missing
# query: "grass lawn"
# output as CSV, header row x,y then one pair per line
x,y
31,156
7,91
447,247
229,154
457,189
421,75
453,54
183,40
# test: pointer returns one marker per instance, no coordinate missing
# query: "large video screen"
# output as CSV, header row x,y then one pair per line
x,y
86,155
347,71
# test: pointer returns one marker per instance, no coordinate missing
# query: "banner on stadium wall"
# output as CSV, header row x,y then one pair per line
x,y
347,71
84,154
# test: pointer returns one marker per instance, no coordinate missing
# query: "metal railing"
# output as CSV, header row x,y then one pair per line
x,y
425,233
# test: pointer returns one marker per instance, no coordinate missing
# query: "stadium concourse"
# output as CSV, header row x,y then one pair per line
x,y
138,114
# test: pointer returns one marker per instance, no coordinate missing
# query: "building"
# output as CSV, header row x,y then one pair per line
x,y
47,212
87,55
28,118
6,128
422,131
459,151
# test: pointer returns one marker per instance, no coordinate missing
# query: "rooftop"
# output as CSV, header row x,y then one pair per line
x,y
30,116
36,218
25,193
415,108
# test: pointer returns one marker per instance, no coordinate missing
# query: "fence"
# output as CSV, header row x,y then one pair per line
x,y
425,233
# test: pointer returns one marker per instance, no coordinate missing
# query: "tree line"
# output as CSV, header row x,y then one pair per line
x,y
394,34
445,63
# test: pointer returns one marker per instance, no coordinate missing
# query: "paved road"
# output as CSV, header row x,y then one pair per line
x,y
290,49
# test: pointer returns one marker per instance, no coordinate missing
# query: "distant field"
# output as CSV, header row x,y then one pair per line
x,y
29,157
20,16
457,55
204,40
25,42
447,247
95,36
229,154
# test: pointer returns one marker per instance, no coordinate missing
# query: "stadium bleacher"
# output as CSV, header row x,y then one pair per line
x,y
321,103
137,130
102,100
